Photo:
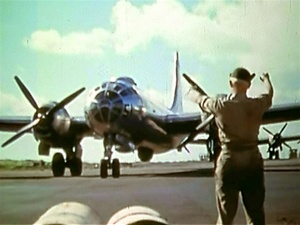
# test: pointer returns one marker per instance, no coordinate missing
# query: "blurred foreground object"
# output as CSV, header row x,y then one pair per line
x,y
137,215
69,213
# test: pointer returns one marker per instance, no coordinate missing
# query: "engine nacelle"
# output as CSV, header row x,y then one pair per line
x,y
145,154
44,149
124,144
61,121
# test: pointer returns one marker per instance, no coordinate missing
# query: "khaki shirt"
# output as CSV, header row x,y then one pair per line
x,y
237,116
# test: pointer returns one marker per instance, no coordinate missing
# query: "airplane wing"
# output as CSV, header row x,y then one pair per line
x,y
178,124
80,127
186,123
282,139
15,123
282,113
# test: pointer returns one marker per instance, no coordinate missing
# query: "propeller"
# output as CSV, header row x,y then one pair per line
x,y
276,138
198,129
26,92
203,124
194,85
40,114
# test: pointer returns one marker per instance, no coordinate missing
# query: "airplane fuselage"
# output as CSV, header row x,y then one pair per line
x,y
120,109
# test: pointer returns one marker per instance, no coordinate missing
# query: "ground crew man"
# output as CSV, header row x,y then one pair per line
x,y
240,165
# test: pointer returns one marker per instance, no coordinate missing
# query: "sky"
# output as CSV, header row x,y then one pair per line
x,y
57,47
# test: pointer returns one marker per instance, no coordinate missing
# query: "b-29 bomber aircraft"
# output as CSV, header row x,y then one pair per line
x,y
122,115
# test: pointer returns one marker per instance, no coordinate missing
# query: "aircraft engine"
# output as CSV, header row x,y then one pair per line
x,y
145,154
58,122
48,120
61,121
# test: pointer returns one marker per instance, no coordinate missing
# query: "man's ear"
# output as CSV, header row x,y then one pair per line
x,y
230,83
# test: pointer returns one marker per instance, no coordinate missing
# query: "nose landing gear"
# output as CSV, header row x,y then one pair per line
x,y
106,163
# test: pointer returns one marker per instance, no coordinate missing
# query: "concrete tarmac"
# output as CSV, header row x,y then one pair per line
x,y
183,193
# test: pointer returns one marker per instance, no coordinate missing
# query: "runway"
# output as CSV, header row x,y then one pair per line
x,y
183,193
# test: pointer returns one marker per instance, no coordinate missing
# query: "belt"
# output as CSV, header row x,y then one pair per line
x,y
239,146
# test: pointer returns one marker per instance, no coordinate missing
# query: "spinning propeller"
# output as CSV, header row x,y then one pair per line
x,y
276,139
42,115
203,124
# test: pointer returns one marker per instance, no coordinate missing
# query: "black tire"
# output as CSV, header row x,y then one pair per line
x,y
75,165
116,168
103,168
58,165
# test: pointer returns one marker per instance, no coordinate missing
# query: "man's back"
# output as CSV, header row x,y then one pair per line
x,y
239,117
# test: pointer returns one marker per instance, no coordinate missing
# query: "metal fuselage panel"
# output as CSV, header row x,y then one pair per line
x,y
118,107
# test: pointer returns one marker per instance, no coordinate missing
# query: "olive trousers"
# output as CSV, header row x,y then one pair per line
x,y
240,173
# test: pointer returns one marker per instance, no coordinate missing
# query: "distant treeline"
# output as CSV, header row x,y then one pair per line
x,y
23,164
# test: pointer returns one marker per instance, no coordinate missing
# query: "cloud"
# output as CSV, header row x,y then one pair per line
x,y
260,35
134,27
171,22
11,105
51,41
246,29
17,105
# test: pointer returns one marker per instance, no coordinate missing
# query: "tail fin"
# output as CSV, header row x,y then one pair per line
x,y
177,100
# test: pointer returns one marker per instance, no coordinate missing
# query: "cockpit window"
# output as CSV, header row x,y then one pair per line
x,y
127,80
118,87
125,92
122,86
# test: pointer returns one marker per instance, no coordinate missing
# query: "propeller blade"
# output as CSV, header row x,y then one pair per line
x,y
269,132
194,84
282,129
287,145
65,101
26,92
198,129
21,132
205,123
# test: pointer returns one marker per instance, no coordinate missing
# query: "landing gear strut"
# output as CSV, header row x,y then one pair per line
x,y
273,153
106,163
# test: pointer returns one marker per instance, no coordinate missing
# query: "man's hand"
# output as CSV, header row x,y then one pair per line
x,y
265,77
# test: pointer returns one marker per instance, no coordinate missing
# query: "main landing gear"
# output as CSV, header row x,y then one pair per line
x,y
59,164
273,153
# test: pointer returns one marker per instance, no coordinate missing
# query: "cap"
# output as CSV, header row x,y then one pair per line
x,y
242,74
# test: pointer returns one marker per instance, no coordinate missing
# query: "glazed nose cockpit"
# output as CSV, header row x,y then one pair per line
x,y
110,101
110,106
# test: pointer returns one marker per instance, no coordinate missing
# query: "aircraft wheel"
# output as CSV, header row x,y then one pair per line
x,y
58,165
116,168
104,168
75,165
